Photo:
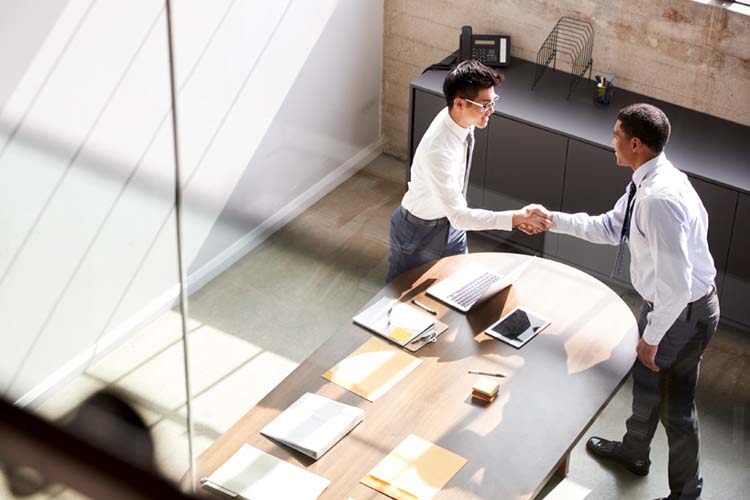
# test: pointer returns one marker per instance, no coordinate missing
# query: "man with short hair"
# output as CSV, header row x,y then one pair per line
x,y
433,217
663,222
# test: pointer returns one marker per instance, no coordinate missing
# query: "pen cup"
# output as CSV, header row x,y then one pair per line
x,y
603,90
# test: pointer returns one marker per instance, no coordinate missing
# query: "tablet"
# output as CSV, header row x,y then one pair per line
x,y
518,327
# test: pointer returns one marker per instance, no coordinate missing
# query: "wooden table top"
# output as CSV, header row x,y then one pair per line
x,y
556,386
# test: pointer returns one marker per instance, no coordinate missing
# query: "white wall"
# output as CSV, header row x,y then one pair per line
x,y
268,107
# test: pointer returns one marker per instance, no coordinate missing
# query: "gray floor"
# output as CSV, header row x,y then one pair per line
x,y
256,322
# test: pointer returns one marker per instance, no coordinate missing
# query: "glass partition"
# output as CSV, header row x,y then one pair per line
x,y
276,255
88,264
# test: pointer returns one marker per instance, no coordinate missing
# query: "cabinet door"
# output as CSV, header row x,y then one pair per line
x,y
593,184
525,165
426,107
735,297
720,203
475,190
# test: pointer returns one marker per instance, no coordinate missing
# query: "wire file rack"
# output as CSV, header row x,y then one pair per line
x,y
570,37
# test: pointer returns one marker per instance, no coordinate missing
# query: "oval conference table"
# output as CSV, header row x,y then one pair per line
x,y
556,385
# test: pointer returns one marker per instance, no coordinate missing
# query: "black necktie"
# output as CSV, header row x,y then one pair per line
x,y
469,151
625,233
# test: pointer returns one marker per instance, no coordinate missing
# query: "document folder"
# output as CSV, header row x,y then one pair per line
x,y
313,424
415,470
372,369
251,474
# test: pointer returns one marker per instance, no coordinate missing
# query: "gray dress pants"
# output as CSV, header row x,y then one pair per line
x,y
669,395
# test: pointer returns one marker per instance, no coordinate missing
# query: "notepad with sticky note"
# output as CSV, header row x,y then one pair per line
x,y
415,470
396,321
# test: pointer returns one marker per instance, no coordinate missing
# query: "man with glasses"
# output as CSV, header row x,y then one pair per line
x,y
433,217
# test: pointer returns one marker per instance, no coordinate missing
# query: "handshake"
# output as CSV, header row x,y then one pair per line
x,y
532,219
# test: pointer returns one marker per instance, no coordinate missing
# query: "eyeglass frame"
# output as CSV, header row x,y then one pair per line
x,y
484,107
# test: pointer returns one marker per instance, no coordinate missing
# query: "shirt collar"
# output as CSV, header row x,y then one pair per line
x,y
648,167
455,128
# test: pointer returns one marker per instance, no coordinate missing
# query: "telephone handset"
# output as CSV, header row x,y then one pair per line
x,y
491,50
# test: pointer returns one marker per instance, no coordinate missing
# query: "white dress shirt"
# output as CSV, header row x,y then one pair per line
x,y
437,179
670,262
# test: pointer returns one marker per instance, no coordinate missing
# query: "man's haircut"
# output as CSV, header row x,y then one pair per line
x,y
467,79
646,122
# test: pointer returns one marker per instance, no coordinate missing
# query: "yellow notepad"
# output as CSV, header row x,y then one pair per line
x,y
372,369
415,470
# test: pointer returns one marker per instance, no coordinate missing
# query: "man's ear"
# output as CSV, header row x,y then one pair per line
x,y
458,103
636,143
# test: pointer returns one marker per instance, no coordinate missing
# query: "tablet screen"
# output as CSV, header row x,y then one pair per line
x,y
514,325
518,327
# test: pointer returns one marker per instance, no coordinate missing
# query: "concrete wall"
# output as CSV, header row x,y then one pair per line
x,y
88,247
681,51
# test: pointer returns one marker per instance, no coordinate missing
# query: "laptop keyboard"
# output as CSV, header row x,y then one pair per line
x,y
471,291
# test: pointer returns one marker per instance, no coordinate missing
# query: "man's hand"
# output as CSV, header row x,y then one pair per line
x,y
647,354
532,219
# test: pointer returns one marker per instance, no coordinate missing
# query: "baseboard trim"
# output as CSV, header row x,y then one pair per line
x,y
170,298
78,364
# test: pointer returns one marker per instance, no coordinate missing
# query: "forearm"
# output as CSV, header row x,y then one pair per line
x,y
476,219
592,228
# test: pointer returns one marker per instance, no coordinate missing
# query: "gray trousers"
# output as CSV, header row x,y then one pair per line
x,y
414,244
669,395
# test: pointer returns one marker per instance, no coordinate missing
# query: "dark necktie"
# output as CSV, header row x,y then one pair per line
x,y
469,151
625,233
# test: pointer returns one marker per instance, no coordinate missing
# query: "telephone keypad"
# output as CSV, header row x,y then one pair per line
x,y
483,54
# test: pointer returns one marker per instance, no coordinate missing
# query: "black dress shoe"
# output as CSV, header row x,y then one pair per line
x,y
613,450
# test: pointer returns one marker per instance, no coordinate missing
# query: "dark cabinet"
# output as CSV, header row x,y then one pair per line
x,y
429,105
720,204
735,297
525,165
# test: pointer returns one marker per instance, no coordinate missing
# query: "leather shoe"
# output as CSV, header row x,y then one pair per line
x,y
612,450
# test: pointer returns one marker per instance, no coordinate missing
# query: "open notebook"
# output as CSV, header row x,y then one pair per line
x,y
313,424
251,474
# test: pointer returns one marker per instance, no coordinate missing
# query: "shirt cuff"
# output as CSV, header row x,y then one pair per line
x,y
653,335
504,221
561,222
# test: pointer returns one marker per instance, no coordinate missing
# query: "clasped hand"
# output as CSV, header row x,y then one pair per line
x,y
533,219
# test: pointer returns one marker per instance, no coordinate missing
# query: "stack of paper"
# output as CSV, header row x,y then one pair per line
x,y
396,321
415,470
313,424
485,390
251,474
372,369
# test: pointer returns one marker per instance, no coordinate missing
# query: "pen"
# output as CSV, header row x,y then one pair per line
x,y
419,304
489,374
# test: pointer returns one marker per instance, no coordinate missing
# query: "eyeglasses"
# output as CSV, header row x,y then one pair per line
x,y
484,107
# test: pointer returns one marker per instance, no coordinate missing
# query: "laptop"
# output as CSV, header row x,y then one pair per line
x,y
473,285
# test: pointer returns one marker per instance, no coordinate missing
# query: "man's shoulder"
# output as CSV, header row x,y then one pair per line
x,y
666,182
439,139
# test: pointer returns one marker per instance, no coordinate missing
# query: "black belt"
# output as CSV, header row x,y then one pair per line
x,y
423,222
